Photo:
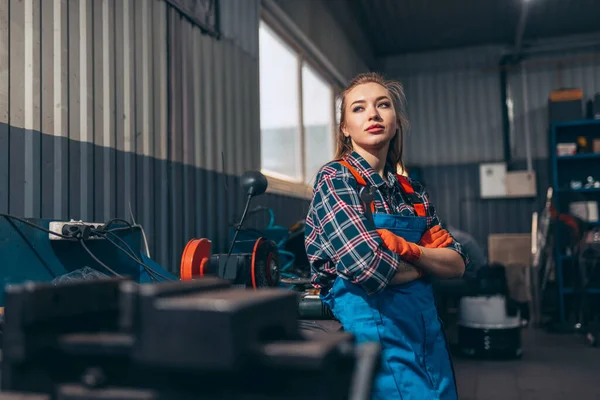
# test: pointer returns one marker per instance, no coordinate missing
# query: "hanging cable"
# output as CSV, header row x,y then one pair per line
x,y
131,254
36,226
82,242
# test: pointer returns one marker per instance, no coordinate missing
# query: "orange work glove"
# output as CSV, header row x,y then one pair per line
x,y
407,250
436,238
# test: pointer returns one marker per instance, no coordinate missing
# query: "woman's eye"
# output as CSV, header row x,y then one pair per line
x,y
357,108
385,104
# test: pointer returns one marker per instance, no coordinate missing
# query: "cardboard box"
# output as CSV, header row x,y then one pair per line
x,y
514,252
565,105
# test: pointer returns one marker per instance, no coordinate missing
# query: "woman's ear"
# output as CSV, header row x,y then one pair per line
x,y
344,130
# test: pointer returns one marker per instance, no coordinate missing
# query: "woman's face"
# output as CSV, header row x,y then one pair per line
x,y
370,119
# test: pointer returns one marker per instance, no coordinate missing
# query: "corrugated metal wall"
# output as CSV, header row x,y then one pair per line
x,y
454,101
314,19
454,190
112,105
543,75
454,106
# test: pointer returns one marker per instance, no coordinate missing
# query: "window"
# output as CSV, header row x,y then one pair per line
x,y
318,112
296,115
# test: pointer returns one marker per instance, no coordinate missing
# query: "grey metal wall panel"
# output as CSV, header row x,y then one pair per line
x,y
32,29
480,58
453,102
313,18
454,190
17,107
4,105
144,115
239,23
160,238
543,75
124,105
75,103
455,117
124,117
104,109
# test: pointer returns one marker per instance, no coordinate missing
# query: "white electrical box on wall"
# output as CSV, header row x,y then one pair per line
x,y
492,180
521,184
495,182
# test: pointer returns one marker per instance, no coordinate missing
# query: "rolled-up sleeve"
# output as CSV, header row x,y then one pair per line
x,y
348,238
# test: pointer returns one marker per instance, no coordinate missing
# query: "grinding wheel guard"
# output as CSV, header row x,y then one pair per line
x,y
265,265
194,259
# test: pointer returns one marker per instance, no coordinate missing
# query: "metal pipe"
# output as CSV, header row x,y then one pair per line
x,y
526,117
521,29
506,123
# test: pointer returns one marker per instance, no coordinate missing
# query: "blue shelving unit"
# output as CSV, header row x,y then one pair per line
x,y
565,169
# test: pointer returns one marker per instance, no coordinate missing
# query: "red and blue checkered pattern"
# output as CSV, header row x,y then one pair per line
x,y
339,238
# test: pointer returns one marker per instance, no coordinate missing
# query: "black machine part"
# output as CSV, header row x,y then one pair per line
x,y
490,343
312,307
255,184
261,268
202,339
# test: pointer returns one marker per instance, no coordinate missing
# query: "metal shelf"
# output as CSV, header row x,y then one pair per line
x,y
587,291
581,156
582,190
566,163
579,122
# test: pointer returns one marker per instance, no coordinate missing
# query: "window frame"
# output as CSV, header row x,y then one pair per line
x,y
289,187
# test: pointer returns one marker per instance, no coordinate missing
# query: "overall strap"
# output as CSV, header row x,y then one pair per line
x,y
416,202
359,179
412,197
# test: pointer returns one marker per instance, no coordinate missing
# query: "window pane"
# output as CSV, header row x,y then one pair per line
x,y
318,110
279,105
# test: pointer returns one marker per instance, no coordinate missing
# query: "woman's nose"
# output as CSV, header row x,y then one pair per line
x,y
374,115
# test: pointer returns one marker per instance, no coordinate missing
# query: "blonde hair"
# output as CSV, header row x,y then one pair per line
x,y
396,92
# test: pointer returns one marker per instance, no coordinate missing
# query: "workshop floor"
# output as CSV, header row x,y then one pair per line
x,y
553,367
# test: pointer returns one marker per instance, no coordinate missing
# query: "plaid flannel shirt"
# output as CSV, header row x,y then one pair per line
x,y
339,240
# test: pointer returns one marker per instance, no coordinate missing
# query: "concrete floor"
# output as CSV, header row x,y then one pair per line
x,y
553,367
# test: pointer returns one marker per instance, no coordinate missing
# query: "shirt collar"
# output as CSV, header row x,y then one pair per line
x,y
365,170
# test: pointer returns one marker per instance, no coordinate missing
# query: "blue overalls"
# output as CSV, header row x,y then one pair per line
x,y
404,320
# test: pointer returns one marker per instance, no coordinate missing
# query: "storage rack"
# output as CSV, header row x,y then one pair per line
x,y
566,168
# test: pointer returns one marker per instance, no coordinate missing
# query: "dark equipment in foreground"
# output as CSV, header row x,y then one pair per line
x,y
200,339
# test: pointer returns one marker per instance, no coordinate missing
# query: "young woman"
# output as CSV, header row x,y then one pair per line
x,y
372,262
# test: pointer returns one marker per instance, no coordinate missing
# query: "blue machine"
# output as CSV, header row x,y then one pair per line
x,y
28,254
277,233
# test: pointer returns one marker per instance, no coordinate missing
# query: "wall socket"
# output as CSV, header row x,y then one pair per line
x,y
57,226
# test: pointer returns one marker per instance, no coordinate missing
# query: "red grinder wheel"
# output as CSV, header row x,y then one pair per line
x,y
265,268
194,259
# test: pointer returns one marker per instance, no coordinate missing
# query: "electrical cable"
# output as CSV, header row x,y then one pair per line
x,y
133,257
96,258
112,221
153,273
237,231
36,226
102,231
135,224
32,247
